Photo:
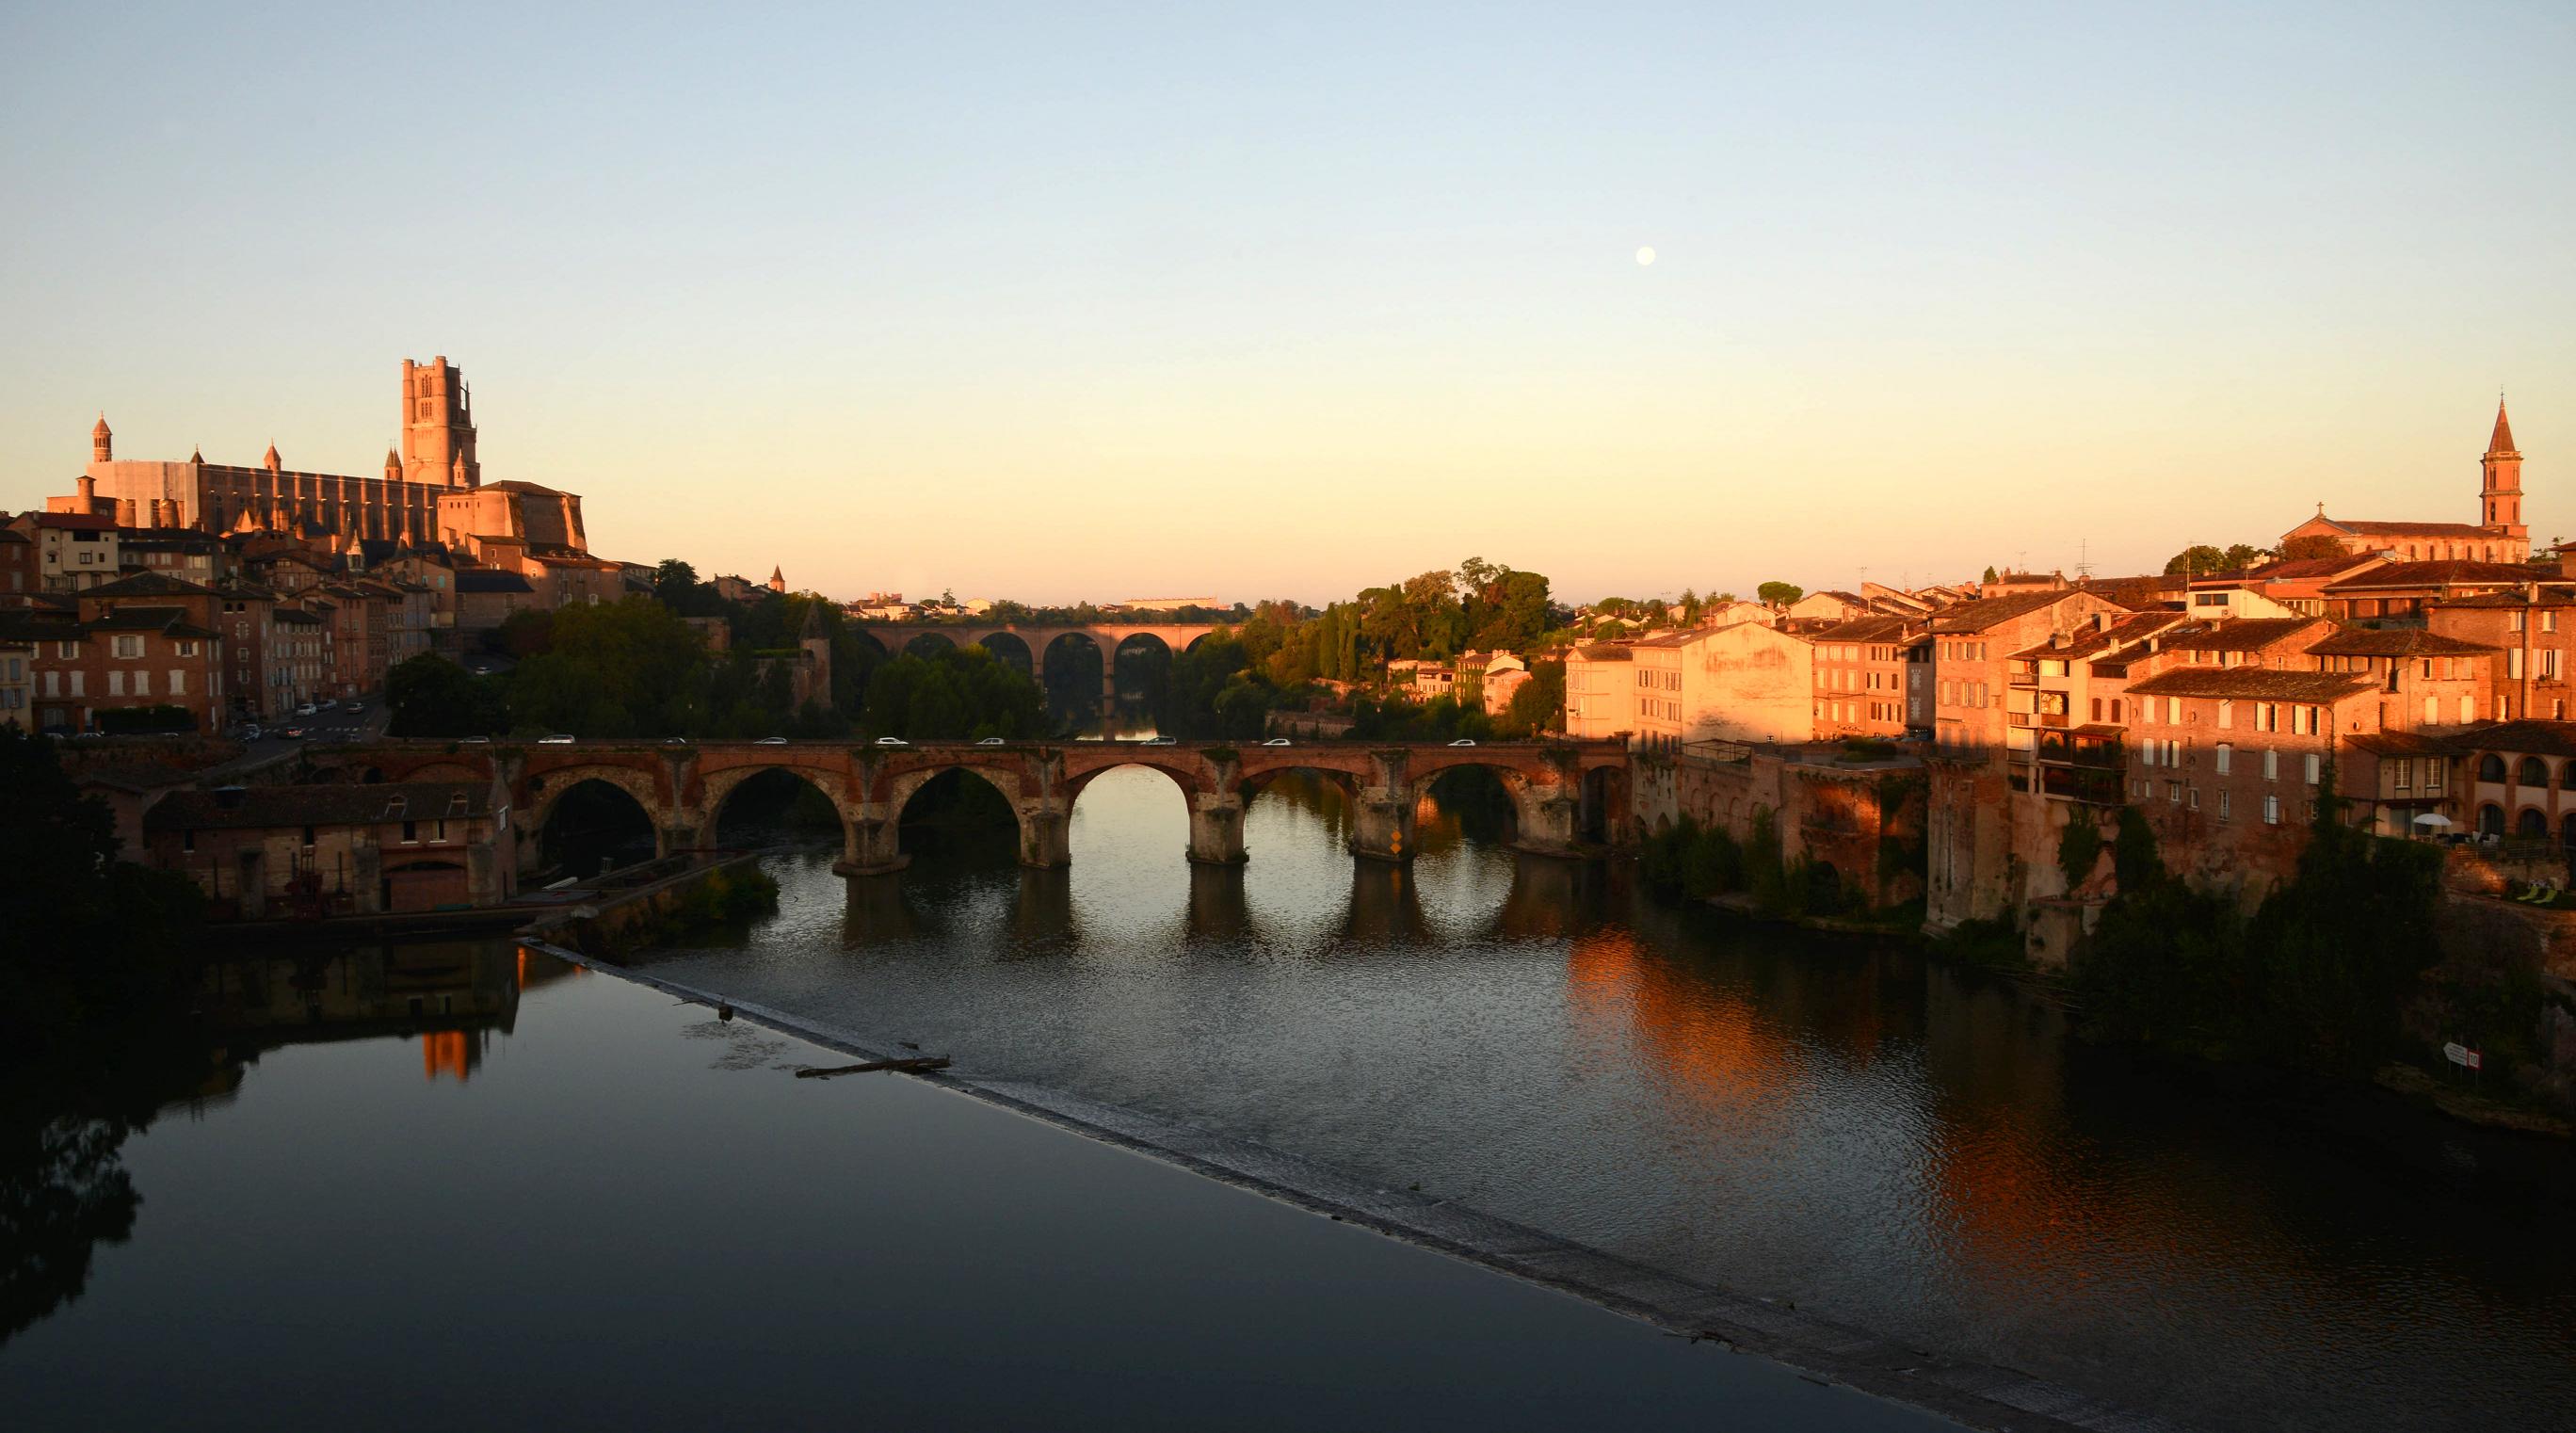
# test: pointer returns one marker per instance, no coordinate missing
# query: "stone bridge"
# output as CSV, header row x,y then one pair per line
x,y
1037,639
1560,790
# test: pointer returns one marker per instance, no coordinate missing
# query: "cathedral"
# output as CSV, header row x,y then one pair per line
x,y
432,491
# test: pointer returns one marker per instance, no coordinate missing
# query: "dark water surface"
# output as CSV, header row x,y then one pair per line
x,y
1914,1150
450,1187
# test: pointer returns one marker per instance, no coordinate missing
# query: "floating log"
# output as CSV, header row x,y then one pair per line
x,y
913,1066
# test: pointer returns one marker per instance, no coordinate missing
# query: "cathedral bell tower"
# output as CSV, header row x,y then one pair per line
x,y
438,426
2500,482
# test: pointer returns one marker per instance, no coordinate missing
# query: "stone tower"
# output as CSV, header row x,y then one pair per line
x,y
102,443
2500,481
777,579
438,425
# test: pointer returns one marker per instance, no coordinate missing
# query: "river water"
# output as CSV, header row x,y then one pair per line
x,y
1884,1141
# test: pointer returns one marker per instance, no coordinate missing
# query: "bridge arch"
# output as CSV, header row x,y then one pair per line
x,y
929,644
541,838
1011,650
720,788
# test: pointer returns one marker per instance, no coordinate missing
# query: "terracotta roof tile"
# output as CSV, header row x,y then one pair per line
x,y
2253,683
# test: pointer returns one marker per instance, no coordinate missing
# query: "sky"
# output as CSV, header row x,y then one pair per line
x,y
1051,302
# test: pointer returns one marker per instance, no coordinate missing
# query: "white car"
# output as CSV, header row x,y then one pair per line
x,y
1278,741
306,710
1464,741
1158,741
991,741
771,741
892,741
556,740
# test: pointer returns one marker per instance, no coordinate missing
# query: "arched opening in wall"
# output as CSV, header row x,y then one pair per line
x,y
2491,767
959,818
1466,803
867,643
1298,805
1070,671
2531,771
2490,819
593,826
1129,823
1142,662
1598,815
2531,824
1009,650
928,644
777,807
2567,830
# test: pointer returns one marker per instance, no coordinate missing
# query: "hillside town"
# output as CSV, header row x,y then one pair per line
x,y
2416,671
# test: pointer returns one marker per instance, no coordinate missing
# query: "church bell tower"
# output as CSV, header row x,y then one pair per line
x,y
2500,482
438,426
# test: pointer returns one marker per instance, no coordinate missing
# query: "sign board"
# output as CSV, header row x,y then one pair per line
x,y
2462,1055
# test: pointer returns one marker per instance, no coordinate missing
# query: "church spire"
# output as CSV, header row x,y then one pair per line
x,y
102,443
2501,445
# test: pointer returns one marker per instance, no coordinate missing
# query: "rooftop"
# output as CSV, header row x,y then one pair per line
x,y
2253,683
2437,574
2395,642
2243,635
340,805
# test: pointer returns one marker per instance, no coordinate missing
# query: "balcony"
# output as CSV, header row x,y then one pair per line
x,y
2091,787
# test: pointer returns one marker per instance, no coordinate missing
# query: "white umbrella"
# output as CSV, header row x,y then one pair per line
x,y
2434,819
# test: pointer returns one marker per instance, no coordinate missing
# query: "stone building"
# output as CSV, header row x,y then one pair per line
x,y
431,490
2227,764
1745,682
274,851
1873,677
1600,692
2533,628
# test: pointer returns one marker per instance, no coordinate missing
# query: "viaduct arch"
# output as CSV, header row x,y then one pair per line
x,y
1176,637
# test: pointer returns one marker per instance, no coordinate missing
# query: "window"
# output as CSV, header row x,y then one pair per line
x,y
2192,798
2271,765
2224,753
2173,793
2271,810
2402,774
129,647
2315,767
2115,710
2222,803
2226,713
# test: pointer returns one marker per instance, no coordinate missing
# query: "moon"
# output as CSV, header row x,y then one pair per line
x,y
1645,256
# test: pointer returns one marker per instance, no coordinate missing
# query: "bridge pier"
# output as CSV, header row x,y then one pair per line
x,y
1550,823
874,846
1216,829
1382,823
1045,840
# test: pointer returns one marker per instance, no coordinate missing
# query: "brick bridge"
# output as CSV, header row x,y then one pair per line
x,y
1559,789
1040,638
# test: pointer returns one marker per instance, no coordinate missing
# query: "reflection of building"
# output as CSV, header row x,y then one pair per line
x,y
452,994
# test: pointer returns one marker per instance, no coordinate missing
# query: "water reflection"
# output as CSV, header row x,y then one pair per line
x,y
1909,1148
65,1119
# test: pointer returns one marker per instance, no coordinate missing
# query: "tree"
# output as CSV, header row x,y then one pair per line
x,y
82,934
1990,573
2196,560
429,695
1779,594
2241,556
960,694
2310,547
631,668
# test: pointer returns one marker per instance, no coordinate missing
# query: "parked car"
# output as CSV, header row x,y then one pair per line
x,y
328,704
771,741
1278,741
675,741
990,741
1464,741
252,733
293,733
892,741
558,739
306,710
475,740
356,707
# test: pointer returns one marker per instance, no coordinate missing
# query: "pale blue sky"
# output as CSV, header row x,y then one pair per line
x,y
1176,300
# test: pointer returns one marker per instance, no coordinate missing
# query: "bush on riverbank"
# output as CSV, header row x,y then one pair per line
x,y
1693,862
2318,979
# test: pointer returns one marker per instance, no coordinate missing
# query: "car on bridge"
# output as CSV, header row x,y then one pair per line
x,y
1279,741
556,740
771,741
892,741
992,741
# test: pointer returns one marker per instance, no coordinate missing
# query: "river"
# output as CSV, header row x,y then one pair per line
x,y
1883,1140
